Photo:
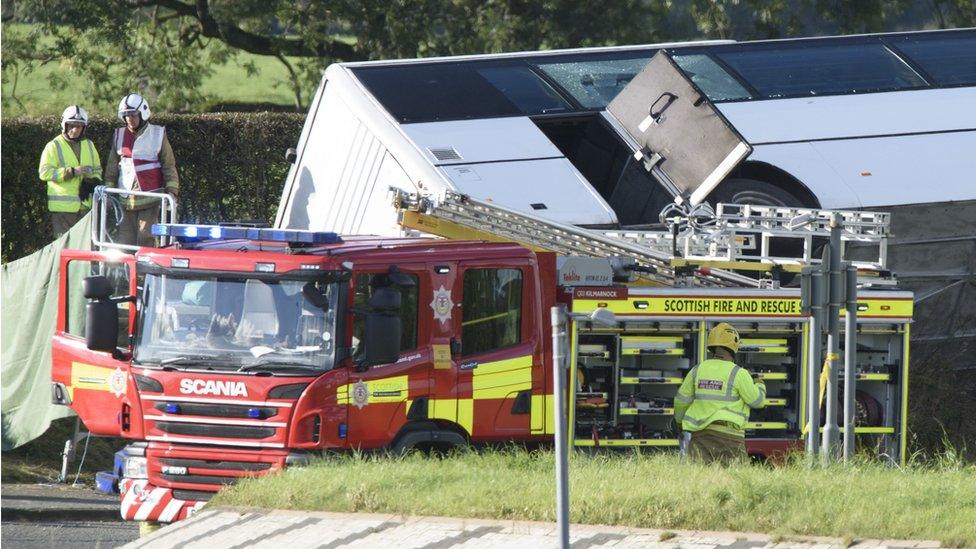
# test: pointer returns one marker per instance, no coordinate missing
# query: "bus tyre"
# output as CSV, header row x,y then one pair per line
x,y
753,191
761,193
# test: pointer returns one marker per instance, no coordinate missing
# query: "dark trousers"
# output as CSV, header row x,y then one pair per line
x,y
711,447
61,222
136,227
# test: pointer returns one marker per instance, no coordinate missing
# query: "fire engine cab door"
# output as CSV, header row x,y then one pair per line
x,y
380,396
497,357
682,139
97,386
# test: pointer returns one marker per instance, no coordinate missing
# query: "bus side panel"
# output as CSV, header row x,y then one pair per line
x,y
909,169
337,172
802,161
292,185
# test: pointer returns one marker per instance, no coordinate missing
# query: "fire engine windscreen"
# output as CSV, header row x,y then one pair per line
x,y
231,322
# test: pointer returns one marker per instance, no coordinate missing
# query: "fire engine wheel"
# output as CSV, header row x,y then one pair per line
x,y
427,438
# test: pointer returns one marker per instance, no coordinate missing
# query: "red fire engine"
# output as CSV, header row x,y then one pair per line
x,y
248,350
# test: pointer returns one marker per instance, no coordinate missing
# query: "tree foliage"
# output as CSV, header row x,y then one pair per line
x,y
166,48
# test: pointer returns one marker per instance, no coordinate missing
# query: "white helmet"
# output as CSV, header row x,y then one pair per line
x,y
134,104
74,114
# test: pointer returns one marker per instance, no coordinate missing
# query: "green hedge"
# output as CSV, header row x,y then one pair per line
x,y
232,167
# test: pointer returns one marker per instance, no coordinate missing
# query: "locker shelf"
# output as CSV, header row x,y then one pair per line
x,y
628,411
638,380
772,425
629,442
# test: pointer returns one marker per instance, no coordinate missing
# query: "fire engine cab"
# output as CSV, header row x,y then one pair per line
x,y
240,351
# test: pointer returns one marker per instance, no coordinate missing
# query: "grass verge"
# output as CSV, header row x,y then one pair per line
x,y
866,500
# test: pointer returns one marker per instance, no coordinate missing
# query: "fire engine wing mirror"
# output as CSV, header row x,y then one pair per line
x,y
101,315
682,139
383,327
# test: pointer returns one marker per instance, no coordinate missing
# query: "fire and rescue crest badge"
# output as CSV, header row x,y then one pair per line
x,y
360,395
442,304
116,382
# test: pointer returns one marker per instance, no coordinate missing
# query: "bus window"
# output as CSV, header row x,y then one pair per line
x,y
460,91
712,79
523,87
810,69
594,83
949,60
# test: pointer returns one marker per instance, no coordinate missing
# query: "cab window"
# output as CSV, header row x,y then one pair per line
x,y
492,310
365,284
118,276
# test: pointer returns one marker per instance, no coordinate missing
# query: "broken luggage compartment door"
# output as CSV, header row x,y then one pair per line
x,y
682,139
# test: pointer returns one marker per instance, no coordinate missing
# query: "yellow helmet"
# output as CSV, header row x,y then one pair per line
x,y
723,335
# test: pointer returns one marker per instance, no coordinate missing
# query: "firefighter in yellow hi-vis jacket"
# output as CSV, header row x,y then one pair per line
x,y
71,168
714,400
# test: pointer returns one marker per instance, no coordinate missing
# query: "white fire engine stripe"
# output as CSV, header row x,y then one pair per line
x,y
215,441
217,401
250,422
130,498
171,509
151,503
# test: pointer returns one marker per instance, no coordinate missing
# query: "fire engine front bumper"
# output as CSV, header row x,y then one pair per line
x,y
143,501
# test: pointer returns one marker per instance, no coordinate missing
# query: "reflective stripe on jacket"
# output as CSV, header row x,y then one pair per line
x,y
57,158
717,391
139,166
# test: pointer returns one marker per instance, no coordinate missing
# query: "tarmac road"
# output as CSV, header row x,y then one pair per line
x,y
53,515
68,534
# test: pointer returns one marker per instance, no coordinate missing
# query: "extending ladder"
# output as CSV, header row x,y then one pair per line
x,y
456,215
736,236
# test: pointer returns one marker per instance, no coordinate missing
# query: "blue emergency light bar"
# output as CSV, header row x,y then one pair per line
x,y
196,233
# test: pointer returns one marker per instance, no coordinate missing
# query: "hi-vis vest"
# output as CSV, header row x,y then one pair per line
x,y
139,166
62,191
717,391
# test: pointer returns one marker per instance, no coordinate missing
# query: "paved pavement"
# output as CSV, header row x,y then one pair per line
x,y
258,528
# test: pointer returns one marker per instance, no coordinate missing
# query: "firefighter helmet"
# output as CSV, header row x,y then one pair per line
x,y
723,335
73,115
134,104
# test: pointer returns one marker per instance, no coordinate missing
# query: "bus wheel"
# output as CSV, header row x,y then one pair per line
x,y
753,191
760,193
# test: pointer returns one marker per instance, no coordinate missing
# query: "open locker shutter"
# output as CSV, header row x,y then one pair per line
x,y
676,131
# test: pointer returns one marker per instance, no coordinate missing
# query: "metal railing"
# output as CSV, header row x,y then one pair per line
x,y
103,197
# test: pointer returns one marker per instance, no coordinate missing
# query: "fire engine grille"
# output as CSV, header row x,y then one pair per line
x,y
216,465
201,479
193,495
215,431
217,410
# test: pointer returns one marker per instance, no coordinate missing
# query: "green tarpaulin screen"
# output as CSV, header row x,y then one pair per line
x,y
29,313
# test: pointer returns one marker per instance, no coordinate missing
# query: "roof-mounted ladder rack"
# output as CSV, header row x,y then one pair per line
x,y
736,236
455,215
